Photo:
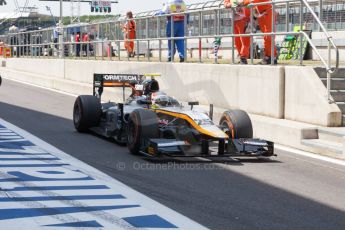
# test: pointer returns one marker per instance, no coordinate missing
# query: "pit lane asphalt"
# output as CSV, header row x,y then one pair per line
x,y
291,192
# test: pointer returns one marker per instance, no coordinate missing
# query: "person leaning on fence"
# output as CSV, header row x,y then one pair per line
x,y
85,40
177,21
241,20
129,30
56,36
264,14
77,40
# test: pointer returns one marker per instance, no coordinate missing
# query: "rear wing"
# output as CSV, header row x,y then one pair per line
x,y
114,80
100,81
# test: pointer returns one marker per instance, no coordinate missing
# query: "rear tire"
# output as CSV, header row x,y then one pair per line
x,y
86,112
142,126
237,124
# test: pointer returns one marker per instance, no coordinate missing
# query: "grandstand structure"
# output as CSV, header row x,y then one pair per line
x,y
26,18
206,19
332,15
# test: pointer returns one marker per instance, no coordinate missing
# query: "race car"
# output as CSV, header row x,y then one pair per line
x,y
154,124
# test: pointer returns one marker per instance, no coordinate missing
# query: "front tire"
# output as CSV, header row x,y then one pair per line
x,y
142,126
237,124
86,112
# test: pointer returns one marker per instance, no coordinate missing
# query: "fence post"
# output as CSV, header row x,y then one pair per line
x,y
159,36
329,73
200,34
301,37
216,22
185,36
273,44
287,14
320,13
233,38
148,39
251,35
138,50
119,50
172,41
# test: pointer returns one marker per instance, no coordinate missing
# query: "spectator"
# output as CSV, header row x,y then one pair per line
x,y
77,40
241,19
171,7
85,40
264,15
129,30
56,36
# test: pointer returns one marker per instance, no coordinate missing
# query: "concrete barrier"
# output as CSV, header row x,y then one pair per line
x,y
258,90
294,93
286,104
54,68
305,98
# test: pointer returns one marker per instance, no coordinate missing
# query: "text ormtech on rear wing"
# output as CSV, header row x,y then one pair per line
x,y
114,80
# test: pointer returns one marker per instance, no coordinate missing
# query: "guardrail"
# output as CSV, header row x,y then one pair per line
x,y
36,46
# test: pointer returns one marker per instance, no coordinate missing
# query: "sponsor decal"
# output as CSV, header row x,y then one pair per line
x,y
171,144
121,77
256,143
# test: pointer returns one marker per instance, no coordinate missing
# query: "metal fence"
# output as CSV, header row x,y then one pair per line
x,y
210,21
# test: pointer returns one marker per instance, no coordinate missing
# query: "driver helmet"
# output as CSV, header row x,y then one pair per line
x,y
162,100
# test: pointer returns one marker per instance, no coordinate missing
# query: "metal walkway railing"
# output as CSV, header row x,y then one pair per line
x,y
32,44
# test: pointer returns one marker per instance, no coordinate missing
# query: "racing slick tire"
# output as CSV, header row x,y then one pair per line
x,y
142,126
237,124
87,112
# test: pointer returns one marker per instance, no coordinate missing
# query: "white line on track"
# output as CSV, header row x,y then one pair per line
x,y
310,155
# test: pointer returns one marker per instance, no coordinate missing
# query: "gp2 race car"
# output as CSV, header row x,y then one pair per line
x,y
154,124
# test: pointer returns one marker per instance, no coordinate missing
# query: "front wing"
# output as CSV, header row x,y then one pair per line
x,y
210,149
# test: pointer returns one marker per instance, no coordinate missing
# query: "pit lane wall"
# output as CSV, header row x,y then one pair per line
x,y
294,93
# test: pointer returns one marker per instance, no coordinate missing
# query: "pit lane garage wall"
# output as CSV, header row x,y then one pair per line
x,y
294,93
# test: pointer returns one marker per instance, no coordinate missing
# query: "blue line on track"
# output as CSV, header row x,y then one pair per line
x,y
81,224
150,221
30,159
23,154
48,188
31,165
16,213
50,198
20,176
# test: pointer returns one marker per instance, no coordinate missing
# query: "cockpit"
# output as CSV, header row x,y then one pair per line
x,y
163,100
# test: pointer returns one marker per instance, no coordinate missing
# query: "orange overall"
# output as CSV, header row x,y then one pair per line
x,y
264,16
130,34
242,17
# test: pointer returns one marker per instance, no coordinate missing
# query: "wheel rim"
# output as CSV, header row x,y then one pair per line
x,y
77,114
226,129
132,133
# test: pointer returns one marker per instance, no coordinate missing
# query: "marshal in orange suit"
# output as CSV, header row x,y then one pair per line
x,y
242,17
264,15
129,30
